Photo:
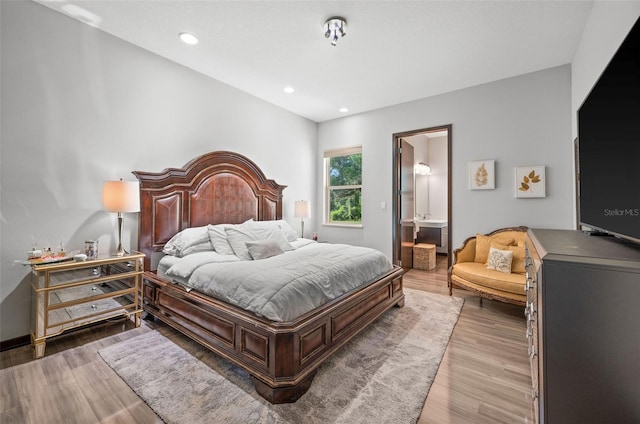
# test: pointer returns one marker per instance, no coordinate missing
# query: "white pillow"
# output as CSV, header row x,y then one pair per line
x,y
218,238
500,260
289,233
184,239
281,225
205,246
281,240
239,235
263,249
237,238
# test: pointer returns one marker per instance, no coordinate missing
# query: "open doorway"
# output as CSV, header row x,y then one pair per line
x,y
422,192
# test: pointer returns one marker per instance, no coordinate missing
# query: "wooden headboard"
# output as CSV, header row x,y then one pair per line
x,y
215,188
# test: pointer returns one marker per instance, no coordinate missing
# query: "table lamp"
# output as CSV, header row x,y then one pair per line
x,y
302,211
121,196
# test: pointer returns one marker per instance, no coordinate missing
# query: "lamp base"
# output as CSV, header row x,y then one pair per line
x,y
120,251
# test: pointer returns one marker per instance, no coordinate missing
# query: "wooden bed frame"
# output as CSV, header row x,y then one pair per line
x,y
281,357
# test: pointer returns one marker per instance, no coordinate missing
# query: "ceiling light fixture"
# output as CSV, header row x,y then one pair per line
x,y
188,38
344,110
288,89
335,28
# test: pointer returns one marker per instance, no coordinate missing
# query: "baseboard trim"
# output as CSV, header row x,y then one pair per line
x,y
13,343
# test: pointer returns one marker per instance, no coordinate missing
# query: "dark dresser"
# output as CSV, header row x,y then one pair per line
x,y
583,326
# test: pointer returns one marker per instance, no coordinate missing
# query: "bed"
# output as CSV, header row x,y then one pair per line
x,y
282,356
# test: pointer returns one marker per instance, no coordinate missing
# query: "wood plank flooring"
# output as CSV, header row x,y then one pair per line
x,y
483,378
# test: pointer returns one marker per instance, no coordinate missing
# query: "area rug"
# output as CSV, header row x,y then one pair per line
x,y
381,376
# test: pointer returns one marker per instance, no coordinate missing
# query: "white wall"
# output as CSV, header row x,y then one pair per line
x,y
518,121
80,106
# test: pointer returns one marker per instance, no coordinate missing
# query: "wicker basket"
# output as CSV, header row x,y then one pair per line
x,y
424,256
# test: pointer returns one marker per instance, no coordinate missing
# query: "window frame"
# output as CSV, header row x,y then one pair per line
x,y
328,154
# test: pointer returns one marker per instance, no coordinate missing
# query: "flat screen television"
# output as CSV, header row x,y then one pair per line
x,y
609,146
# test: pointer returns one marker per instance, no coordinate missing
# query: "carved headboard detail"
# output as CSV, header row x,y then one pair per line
x,y
215,188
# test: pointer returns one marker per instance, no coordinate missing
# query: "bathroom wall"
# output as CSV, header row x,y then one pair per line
x,y
437,181
431,190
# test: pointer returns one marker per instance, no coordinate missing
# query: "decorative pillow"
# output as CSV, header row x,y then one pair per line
x,y
500,260
184,239
482,248
483,243
263,249
517,265
218,238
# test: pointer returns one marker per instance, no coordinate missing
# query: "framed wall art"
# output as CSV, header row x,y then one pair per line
x,y
530,181
482,175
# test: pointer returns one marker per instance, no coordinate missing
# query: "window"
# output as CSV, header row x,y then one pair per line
x,y
343,186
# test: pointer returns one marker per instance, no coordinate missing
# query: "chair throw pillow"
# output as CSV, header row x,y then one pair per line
x,y
483,243
500,260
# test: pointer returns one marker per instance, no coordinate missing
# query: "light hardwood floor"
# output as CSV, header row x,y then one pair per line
x,y
483,378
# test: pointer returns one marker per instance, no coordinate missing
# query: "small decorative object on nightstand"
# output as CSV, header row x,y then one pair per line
x,y
72,294
91,249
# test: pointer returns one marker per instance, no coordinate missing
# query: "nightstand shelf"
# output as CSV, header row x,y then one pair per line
x,y
69,295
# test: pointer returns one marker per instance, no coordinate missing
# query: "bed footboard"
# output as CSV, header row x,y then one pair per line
x,y
282,358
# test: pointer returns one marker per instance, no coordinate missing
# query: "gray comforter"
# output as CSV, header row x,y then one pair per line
x,y
284,287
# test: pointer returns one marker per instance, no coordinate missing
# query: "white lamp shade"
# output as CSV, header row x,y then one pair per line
x,y
302,209
121,196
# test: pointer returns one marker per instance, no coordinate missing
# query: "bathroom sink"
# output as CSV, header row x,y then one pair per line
x,y
432,223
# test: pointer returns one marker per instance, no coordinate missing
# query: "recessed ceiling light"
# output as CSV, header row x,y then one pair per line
x,y
288,89
188,38
344,110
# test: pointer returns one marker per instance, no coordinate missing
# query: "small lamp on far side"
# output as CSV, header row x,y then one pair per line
x,y
302,211
121,196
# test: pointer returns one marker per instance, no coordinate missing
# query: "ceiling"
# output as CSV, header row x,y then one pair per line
x,y
394,51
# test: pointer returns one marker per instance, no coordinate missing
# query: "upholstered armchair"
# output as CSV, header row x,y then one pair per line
x,y
492,266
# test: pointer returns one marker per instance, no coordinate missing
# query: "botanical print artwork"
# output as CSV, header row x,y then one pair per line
x,y
530,181
482,175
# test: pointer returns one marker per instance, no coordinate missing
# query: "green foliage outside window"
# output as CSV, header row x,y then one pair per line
x,y
345,189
